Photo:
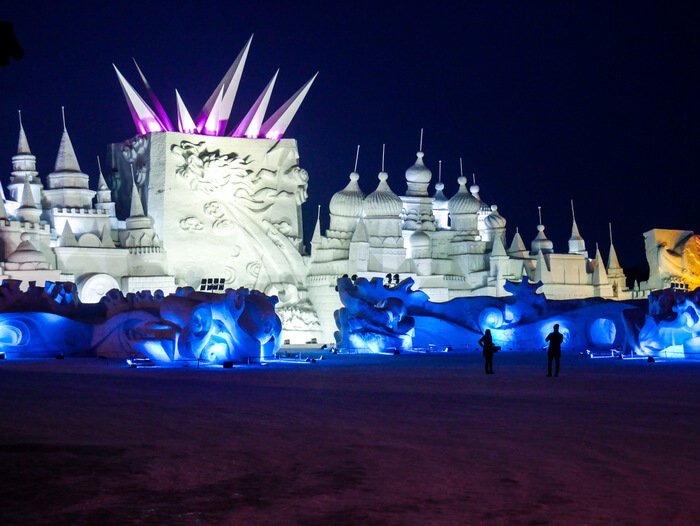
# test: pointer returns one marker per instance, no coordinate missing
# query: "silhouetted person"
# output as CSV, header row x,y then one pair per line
x,y
555,339
489,348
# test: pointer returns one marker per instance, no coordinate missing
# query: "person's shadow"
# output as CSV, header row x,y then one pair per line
x,y
9,46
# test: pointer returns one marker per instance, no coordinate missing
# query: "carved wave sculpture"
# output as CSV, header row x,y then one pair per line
x,y
186,327
379,318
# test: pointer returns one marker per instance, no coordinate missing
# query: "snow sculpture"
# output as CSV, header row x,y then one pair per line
x,y
37,322
672,326
378,326
240,325
376,318
674,259
247,192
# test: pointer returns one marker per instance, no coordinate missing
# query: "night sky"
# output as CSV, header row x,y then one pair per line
x,y
545,102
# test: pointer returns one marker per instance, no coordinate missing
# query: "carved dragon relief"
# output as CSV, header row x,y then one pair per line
x,y
246,196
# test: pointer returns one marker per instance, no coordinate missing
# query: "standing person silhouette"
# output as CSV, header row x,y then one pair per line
x,y
489,348
555,339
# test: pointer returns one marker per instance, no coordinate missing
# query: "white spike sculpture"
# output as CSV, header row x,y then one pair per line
x,y
276,125
252,122
154,99
228,87
211,127
213,118
184,120
144,117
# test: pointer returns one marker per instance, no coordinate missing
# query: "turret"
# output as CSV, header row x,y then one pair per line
x,y
576,243
68,185
541,243
24,167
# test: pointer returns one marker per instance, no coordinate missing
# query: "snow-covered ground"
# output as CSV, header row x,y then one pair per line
x,y
410,439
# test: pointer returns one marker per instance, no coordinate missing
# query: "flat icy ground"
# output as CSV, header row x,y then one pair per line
x,y
419,439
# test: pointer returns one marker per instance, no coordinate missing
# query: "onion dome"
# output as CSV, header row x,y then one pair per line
x,y
26,256
494,219
383,202
418,177
348,202
419,239
541,243
462,202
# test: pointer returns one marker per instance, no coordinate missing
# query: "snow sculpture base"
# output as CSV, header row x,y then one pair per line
x,y
380,319
186,327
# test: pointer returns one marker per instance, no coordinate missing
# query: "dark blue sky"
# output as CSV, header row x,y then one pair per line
x,y
544,101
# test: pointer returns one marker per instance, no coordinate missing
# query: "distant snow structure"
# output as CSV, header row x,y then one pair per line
x,y
674,259
213,118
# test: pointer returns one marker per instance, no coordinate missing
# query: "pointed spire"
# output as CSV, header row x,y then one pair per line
x,y
165,121
66,161
252,122
67,237
22,145
28,211
317,229
498,248
613,263
106,238
276,125
600,276
360,234
541,270
227,88
145,119
576,243
184,121
27,196
136,205
101,183
517,246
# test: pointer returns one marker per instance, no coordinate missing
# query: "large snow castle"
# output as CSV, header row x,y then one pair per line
x,y
200,203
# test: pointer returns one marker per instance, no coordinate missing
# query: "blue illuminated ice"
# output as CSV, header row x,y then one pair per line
x,y
377,318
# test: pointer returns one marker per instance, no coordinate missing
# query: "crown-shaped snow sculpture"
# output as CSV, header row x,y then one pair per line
x,y
214,116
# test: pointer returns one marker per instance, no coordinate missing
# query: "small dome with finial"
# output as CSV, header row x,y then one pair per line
x,y
541,242
419,173
462,202
382,202
348,202
26,256
494,219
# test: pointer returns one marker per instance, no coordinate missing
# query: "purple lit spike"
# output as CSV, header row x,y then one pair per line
x,y
144,117
184,121
276,125
251,123
211,127
154,100
229,87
